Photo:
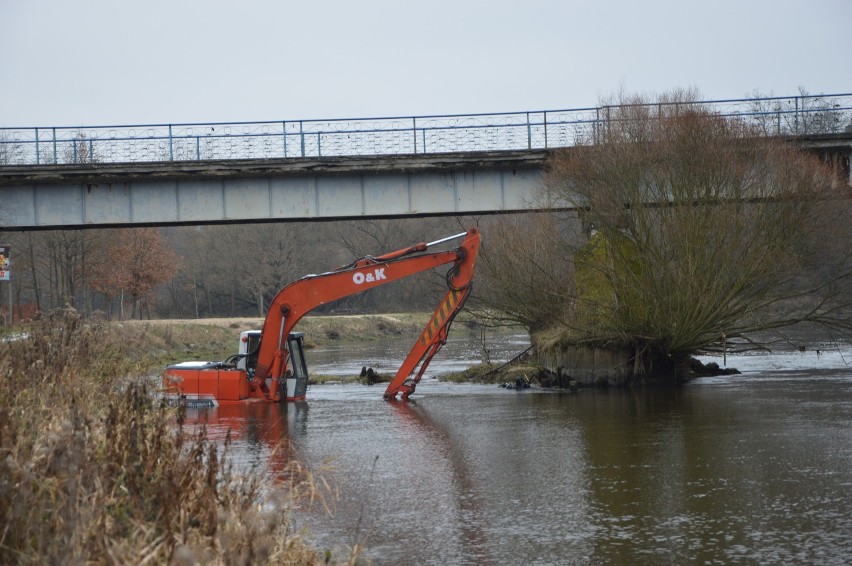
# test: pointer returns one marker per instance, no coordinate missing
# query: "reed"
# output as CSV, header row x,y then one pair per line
x,y
93,469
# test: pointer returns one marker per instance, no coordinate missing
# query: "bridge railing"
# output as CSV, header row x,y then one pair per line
x,y
795,115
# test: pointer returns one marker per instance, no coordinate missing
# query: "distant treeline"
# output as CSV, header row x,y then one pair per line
x,y
209,271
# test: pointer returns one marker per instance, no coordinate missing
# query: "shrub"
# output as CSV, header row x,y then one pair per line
x,y
94,470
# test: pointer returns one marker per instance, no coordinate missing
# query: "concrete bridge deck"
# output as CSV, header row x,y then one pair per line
x,y
188,192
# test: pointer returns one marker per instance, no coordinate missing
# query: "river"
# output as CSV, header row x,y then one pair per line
x,y
748,469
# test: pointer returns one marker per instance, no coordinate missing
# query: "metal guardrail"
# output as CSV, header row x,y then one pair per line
x,y
795,115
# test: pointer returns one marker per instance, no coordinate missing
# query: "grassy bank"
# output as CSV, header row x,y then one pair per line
x,y
491,373
151,345
93,470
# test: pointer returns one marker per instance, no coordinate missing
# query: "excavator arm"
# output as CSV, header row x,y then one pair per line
x,y
300,297
433,337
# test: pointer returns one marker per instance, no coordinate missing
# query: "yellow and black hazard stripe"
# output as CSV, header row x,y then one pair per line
x,y
442,314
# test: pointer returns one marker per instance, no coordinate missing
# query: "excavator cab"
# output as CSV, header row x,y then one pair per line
x,y
295,383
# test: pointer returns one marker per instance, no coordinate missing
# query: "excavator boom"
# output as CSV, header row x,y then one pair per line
x,y
300,297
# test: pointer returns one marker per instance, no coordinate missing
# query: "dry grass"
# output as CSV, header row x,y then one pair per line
x,y
318,329
93,470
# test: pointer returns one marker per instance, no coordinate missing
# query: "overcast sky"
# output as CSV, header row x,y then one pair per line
x,y
102,62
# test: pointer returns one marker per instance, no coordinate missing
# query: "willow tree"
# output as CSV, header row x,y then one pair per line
x,y
526,270
701,236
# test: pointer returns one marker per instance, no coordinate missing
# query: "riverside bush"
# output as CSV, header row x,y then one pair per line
x,y
96,470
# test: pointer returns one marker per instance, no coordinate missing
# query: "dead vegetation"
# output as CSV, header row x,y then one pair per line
x,y
94,470
521,366
318,330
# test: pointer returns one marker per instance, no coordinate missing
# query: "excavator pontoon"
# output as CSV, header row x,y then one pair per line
x,y
270,365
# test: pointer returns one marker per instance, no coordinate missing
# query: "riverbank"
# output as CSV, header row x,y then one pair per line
x,y
214,339
319,329
93,469
150,345
145,347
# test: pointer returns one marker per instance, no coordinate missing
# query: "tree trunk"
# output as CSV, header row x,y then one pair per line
x,y
54,285
87,296
36,287
70,264
209,301
195,295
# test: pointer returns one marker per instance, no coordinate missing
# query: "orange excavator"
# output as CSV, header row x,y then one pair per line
x,y
271,365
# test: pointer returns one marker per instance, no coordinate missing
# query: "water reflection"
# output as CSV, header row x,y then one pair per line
x,y
467,502
752,469
259,433
732,475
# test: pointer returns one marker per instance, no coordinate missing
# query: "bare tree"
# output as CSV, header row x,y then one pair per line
x,y
375,237
269,259
701,236
11,150
525,275
805,114
210,273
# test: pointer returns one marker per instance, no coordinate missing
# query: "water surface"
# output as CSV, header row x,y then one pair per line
x,y
732,470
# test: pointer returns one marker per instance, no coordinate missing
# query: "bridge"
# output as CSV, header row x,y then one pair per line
x,y
325,169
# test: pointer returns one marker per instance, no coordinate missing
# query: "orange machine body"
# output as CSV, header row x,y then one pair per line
x,y
220,384
203,384
271,370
